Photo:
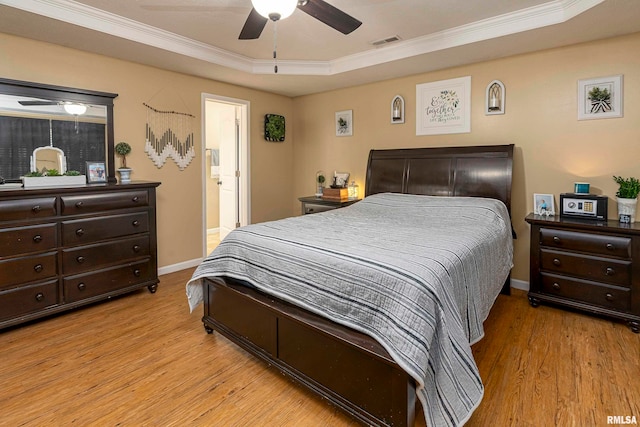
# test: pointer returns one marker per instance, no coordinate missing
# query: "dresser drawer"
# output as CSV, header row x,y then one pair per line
x,y
28,299
84,231
86,258
584,291
27,269
101,282
18,209
588,267
586,242
88,203
37,238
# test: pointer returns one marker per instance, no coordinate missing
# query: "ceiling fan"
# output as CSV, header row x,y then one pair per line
x,y
73,108
263,10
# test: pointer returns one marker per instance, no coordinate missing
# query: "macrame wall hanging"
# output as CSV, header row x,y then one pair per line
x,y
169,134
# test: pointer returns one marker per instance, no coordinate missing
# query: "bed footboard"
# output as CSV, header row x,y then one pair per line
x,y
349,369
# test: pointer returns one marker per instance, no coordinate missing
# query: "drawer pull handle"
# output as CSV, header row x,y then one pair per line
x,y
80,259
136,248
136,272
135,199
36,209
609,297
556,262
136,223
556,286
38,268
82,286
37,238
79,232
610,271
556,239
79,205
610,246
39,296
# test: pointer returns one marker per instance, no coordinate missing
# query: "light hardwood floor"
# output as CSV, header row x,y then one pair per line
x,y
144,360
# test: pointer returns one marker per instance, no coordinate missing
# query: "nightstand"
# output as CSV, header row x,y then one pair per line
x,y
592,266
312,204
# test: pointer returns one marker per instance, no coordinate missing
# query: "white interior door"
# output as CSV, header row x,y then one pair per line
x,y
229,178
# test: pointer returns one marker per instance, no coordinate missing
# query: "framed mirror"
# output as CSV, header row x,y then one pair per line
x,y
76,124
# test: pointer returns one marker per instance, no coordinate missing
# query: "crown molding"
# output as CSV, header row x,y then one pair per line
x,y
550,13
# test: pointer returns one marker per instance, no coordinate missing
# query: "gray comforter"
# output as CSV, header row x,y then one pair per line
x,y
417,273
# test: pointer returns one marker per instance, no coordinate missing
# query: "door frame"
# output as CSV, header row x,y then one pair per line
x,y
244,190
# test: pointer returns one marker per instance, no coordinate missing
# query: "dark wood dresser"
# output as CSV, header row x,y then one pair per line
x,y
586,265
66,247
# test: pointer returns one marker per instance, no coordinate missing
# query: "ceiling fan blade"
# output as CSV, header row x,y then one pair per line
x,y
26,103
253,26
330,15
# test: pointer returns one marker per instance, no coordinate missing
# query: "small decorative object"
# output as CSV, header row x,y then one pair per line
x,y
169,134
581,187
344,123
320,182
444,107
340,180
96,172
495,98
397,109
274,127
627,197
123,149
600,98
353,190
53,178
543,204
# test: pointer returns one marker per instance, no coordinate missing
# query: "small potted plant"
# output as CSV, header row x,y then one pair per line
x,y
320,180
627,197
123,149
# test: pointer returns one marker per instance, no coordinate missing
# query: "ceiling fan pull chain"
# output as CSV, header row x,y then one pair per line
x,y
275,46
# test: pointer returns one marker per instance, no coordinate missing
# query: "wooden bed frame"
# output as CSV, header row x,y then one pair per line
x,y
348,368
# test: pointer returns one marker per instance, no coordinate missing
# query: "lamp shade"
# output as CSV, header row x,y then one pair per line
x,y
75,109
279,9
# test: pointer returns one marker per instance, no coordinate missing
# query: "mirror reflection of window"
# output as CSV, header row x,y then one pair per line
x,y
27,123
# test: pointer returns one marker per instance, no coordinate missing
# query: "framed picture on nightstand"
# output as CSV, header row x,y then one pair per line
x,y
543,204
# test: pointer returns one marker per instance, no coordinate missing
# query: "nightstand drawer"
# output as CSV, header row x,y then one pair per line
x,y
310,208
586,242
587,267
584,291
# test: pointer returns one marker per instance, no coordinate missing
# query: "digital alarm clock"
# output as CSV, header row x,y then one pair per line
x,y
586,206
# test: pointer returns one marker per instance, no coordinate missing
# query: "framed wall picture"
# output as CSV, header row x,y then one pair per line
x,y
444,107
96,172
600,98
543,204
344,123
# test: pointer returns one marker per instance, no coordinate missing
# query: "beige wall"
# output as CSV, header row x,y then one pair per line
x,y
553,148
180,217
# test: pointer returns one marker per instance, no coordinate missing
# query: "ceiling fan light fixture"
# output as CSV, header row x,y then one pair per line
x,y
75,109
275,9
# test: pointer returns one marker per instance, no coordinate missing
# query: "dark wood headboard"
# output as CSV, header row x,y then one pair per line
x,y
476,171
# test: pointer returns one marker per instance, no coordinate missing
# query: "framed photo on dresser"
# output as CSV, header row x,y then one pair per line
x,y
543,204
